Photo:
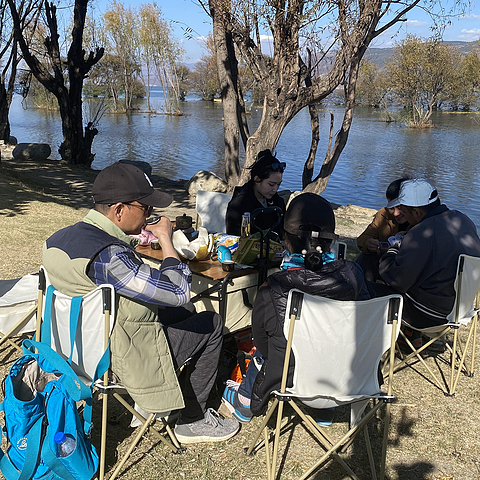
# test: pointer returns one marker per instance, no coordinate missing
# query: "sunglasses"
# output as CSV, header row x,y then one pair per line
x,y
278,167
147,209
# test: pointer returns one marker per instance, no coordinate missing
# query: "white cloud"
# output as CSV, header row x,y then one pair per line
x,y
416,23
469,35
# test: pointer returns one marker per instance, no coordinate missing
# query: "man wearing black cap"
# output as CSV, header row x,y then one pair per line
x,y
145,353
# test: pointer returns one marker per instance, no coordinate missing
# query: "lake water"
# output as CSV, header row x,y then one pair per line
x,y
376,153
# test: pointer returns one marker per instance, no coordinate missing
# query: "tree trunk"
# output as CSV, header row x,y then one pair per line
x,y
331,158
227,68
4,122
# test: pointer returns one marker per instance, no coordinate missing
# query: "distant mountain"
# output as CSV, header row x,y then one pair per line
x,y
379,56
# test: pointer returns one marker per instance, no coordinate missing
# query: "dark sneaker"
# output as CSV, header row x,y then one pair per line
x,y
324,416
211,428
230,399
438,346
413,336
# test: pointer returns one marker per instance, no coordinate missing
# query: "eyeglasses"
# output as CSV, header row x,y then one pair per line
x,y
147,209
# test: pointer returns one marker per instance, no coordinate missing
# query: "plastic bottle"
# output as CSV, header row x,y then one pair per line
x,y
245,229
65,444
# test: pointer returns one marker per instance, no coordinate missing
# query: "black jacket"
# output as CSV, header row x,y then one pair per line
x,y
340,280
426,263
244,200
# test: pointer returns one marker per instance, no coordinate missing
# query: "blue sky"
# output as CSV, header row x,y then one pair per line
x,y
186,14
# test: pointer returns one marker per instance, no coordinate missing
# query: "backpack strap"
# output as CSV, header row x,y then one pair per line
x,y
34,444
47,316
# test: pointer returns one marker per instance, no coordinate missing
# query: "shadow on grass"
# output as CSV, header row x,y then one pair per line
x,y
53,181
414,471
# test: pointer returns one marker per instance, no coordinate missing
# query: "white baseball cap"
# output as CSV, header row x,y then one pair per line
x,y
415,193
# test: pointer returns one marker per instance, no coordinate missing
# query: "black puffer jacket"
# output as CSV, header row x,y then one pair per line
x,y
340,280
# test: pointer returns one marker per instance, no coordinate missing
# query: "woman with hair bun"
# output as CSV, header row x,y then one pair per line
x,y
260,191
309,230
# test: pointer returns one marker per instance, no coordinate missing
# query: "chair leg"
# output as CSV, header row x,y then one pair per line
x,y
416,353
322,437
474,346
277,437
103,442
385,441
456,342
262,427
132,446
370,453
159,437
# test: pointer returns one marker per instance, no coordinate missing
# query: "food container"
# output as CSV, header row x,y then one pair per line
x,y
183,222
155,245
228,265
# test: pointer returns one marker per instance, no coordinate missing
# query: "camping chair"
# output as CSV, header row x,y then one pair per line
x,y
18,304
211,208
464,312
96,316
337,348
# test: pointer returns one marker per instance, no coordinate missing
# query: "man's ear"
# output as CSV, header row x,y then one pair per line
x,y
115,211
418,213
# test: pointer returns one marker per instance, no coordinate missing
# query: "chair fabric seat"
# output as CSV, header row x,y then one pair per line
x,y
18,297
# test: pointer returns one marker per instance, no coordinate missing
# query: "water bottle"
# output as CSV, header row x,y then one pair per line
x,y
245,229
65,444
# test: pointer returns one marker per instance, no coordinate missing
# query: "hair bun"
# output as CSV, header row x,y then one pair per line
x,y
313,261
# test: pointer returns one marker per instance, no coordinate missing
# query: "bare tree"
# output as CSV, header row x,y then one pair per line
x,y
348,27
77,139
10,57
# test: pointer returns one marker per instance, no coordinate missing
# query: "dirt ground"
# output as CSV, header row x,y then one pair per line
x,y
431,436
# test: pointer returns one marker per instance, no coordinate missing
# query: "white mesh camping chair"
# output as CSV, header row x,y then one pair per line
x,y
211,208
464,313
18,305
96,317
337,348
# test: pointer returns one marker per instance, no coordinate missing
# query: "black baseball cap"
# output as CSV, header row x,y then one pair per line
x,y
122,182
308,215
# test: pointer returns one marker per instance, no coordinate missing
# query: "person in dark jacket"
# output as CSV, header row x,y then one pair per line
x,y
260,191
312,268
387,222
424,266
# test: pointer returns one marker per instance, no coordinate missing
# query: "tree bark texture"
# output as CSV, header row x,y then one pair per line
x,y
227,67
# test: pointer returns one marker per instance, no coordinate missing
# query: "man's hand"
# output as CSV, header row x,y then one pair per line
x,y
372,245
163,230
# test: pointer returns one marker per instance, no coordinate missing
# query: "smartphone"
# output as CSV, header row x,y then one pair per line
x,y
152,220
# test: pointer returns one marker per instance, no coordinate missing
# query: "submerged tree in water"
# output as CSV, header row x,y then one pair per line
x,y
66,86
422,75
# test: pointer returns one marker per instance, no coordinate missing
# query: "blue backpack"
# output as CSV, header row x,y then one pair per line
x,y
40,395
